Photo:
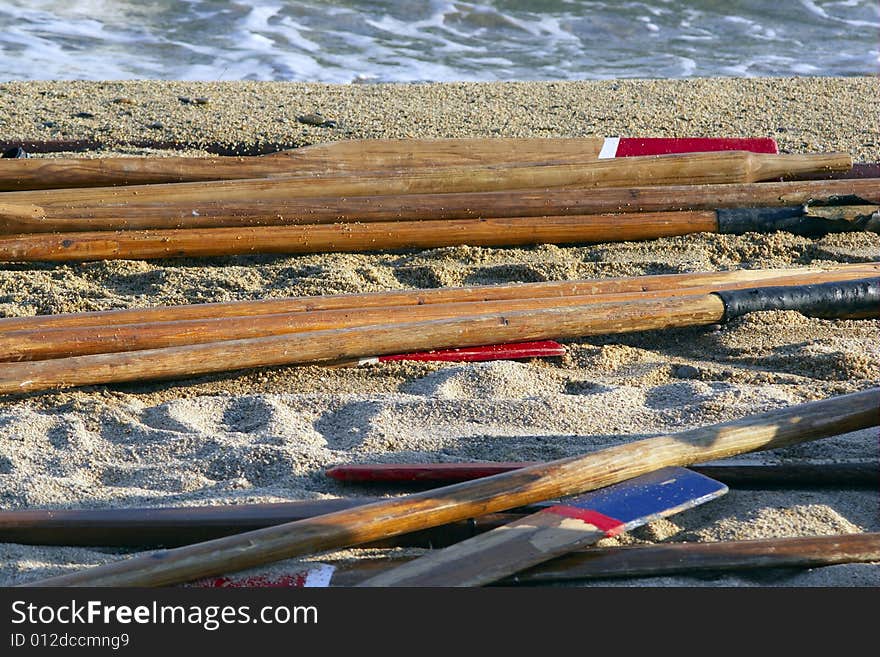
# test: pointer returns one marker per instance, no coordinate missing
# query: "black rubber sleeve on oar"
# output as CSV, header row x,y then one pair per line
x,y
16,152
842,299
795,220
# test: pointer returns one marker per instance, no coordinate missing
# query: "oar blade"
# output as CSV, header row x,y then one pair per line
x,y
510,351
574,523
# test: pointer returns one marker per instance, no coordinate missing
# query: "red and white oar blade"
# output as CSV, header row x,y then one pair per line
x,y
512,351
636,146
576,522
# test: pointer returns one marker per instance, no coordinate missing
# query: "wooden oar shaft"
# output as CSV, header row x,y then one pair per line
x,y
37,344
696,168
674,558
622,285
173,526
355,155
780,428
359,237
165,527
350,344
839,299
840,475
665,559
25,217
349,237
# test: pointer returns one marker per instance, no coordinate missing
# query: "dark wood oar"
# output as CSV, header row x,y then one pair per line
x,y
619,285
347,155
690,168
852,299
837,475
569,476
571,524
45,343
168,527
687,558
25,217
399,235
604,563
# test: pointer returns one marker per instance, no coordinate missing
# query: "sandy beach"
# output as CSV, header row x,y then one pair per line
x,y
268,435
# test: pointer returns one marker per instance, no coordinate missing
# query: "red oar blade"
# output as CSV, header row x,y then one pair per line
x,y
512,351
637,146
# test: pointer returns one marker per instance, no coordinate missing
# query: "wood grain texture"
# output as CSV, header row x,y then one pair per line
x,y
349,237
341,156
661,559
779,428
165,527
44,343
24,217
571,524
656,284
809,475
722,556
692,169
353,343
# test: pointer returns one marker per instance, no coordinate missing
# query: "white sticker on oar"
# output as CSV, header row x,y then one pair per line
x,y
609,148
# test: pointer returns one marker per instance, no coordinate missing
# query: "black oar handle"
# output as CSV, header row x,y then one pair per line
x,y
796,220
830,300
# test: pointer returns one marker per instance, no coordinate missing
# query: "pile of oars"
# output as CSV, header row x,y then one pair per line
x,y
54,351
390,195
281,532
384,195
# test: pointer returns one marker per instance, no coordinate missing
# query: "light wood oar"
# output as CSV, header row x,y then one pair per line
x,y
28,218
569,476
859,298
691,168
651,283
349,155
363,237
341,156
43,343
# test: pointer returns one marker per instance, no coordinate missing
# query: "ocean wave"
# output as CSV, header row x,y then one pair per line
x,y
438,40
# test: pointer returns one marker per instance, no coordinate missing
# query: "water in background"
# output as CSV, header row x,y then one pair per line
x,y
435,40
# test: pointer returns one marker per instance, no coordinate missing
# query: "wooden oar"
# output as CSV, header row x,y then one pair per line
x,y
617,285
24,217
601,563
838,475
570,476
351,155
691,168
573,523
391,236
169,527
853,299
45,343
686,558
